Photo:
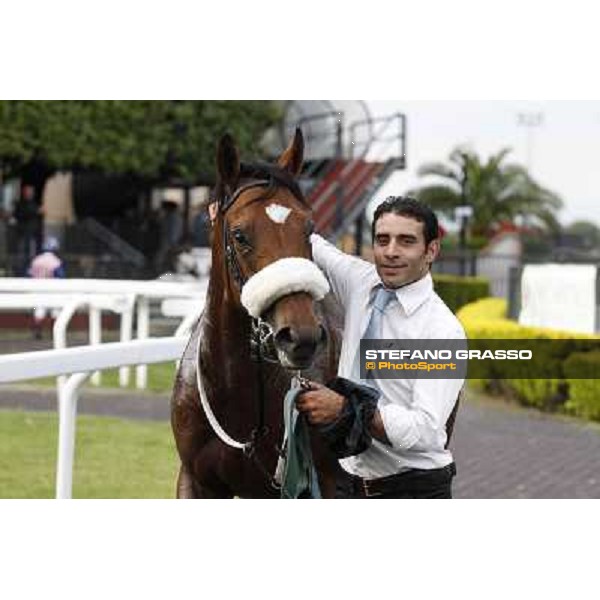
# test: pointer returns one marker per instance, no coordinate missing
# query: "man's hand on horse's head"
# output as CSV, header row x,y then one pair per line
x,y
320,404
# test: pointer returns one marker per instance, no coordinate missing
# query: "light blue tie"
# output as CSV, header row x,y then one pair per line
x,y
374,328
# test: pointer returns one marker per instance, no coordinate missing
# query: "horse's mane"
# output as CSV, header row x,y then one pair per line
x,y
259,170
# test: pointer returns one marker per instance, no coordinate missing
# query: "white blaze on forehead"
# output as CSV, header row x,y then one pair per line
x,y
278,213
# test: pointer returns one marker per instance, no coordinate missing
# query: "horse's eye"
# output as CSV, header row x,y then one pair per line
x,y
241,238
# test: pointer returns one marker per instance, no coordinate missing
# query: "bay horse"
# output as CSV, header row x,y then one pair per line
x,y
262,299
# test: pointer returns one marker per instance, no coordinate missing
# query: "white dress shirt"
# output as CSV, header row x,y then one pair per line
x,y
414,411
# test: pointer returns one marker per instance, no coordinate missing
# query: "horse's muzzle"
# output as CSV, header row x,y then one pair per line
x,y
297,347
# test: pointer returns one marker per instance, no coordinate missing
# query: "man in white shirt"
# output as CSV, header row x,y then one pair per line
x,y
408,457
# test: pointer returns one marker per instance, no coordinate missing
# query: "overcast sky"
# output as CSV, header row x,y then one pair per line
x,y
565,148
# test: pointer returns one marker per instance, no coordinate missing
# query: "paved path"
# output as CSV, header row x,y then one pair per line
x,y
505,451
502,451
127,404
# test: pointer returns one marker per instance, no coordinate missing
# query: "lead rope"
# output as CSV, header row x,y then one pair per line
x,y
297,382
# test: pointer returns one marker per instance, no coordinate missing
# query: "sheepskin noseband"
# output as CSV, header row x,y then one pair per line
x,y
280,278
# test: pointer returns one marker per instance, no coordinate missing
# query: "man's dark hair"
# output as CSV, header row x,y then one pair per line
x,y
409,207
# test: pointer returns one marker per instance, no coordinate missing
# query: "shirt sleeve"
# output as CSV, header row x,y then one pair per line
x,y
340,268
422,427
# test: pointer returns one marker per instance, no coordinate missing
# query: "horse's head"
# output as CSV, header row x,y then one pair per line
x,y
263,228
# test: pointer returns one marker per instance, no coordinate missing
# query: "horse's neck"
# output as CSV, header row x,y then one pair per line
x,y
229,324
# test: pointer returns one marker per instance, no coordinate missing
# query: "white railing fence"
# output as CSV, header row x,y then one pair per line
x,y
119,296
80,363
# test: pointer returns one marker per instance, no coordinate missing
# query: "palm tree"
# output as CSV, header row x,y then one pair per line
x,y
496,191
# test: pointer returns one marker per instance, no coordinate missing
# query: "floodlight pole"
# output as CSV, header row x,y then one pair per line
x,y
530,120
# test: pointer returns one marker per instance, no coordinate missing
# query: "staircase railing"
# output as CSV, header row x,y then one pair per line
x,y
372,188
379,129
117,244
340,189
317,169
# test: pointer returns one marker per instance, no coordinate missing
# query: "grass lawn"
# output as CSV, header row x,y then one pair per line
x,y
114,458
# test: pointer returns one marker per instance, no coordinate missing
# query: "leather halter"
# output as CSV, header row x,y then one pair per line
x,y
261,337
230,254
227,202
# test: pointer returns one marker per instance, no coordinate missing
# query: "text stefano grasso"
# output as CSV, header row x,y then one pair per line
x,y
497,354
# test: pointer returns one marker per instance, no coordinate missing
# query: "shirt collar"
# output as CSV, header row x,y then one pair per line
x,y
410,296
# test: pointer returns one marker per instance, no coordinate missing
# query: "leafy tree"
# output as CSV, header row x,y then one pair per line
x,y
588,232
496,191
155,141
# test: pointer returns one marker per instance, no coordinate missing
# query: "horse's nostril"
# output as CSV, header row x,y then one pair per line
x,y
285,338
299,345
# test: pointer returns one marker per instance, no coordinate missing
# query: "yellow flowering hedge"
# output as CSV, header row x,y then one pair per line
x,y
486,319
584,394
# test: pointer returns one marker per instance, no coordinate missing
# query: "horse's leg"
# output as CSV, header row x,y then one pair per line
x,y
185,484
189,488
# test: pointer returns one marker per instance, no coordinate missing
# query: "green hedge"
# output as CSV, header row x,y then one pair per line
x,y
457,291
584,394
486,319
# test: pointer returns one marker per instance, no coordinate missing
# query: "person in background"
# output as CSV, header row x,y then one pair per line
x,y
186,265
45,265
213,210
202,231
27,215
4,219
171,229
201,228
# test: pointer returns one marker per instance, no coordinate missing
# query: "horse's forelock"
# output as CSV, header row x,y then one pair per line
x,y
273,173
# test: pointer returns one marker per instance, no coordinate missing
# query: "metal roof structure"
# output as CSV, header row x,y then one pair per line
x,y
326,125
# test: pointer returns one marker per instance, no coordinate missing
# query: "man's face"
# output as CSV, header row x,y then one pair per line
x,y
399,250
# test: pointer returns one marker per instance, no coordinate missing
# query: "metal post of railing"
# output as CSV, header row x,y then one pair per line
x,y
59,332
514,292
402,140
126,327
463,246
143,330
339,154
67,418
358,233
95,328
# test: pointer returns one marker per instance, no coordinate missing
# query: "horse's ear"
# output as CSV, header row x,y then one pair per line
x,y
293,155
228,161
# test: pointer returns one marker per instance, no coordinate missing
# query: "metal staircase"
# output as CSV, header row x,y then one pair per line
x,y
335,215
346,162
